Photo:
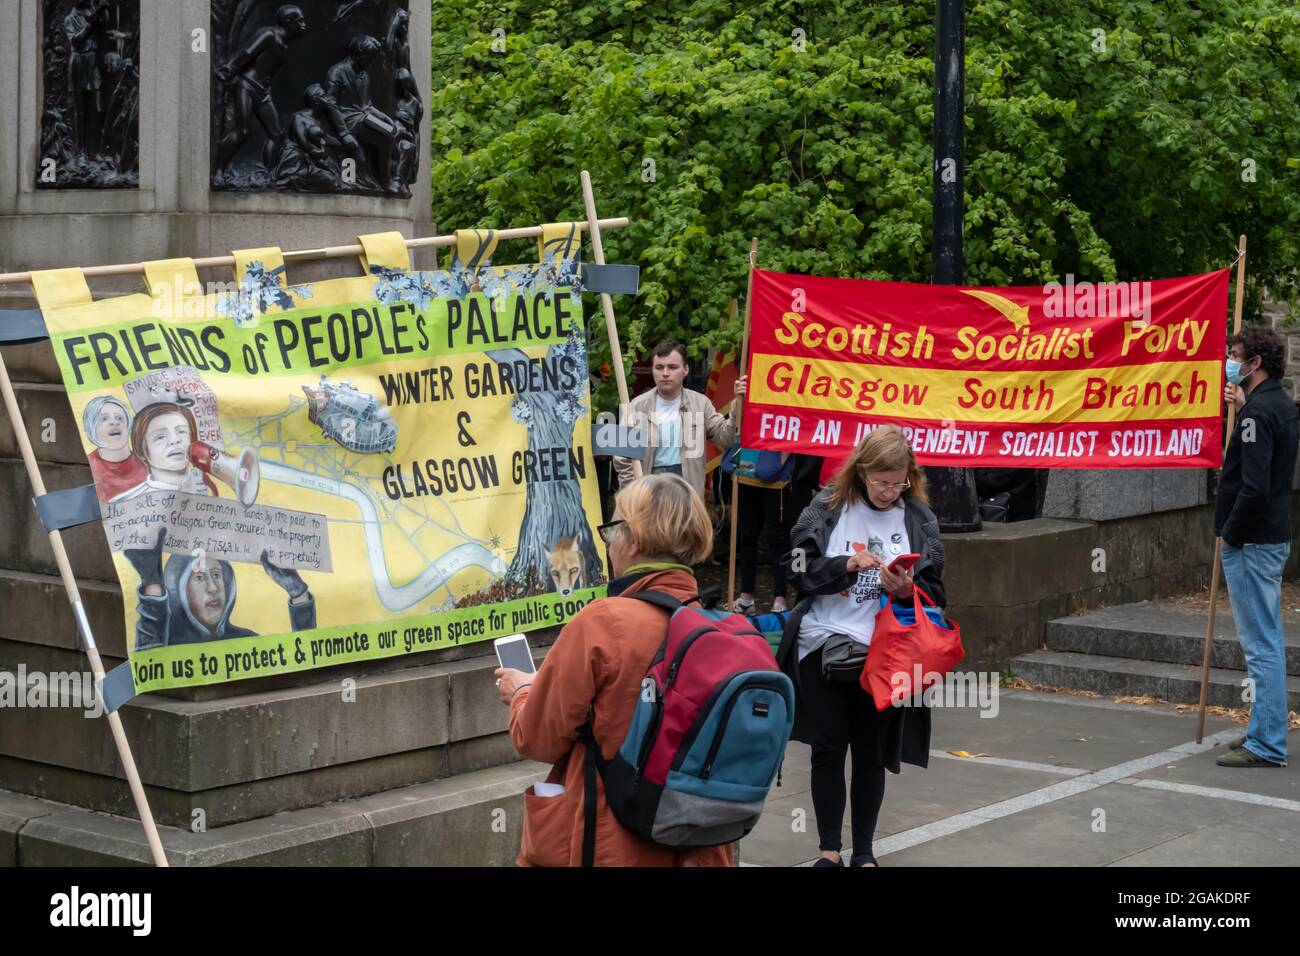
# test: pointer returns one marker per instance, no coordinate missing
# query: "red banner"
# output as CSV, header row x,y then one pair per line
x,y
1073,375
721,391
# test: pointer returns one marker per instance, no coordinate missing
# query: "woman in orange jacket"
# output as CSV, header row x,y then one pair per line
x,y
659,530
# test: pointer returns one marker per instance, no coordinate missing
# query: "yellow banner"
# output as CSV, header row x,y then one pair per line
x,y
293,476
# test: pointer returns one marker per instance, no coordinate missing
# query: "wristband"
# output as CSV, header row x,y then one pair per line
x,y
519,688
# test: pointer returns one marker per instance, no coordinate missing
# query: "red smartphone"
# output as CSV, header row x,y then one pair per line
x,y
902,563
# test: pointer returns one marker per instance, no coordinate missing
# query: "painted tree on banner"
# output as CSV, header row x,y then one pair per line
x,y
554,516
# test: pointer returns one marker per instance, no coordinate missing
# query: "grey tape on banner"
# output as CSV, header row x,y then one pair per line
x,y
67,509
614,279
20,326
118,688
610,438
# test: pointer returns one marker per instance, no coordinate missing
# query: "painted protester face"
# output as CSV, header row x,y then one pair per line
x,y
167,445
111,430
205,592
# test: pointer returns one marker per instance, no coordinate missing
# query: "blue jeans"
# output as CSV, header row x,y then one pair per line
x,y
1254,576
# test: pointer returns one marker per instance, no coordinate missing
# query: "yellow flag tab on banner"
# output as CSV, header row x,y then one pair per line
x,y
172,278
474,248
559,239
270,258
59,288
386,250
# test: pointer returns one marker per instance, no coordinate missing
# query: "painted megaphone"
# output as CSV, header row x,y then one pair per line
x,y
240,472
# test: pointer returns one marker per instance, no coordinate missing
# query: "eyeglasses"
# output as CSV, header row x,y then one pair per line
x,y
606,530
890,485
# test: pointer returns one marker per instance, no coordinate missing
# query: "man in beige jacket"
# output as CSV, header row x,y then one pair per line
x,y
676,422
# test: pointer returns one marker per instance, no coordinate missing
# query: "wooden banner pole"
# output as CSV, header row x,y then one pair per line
x,y
737,408
1218,542
83,624
325,252
594,225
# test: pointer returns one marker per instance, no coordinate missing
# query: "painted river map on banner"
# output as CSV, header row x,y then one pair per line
x,y
1086,375
294,476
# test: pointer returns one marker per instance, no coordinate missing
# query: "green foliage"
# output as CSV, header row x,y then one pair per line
x,y
1111,164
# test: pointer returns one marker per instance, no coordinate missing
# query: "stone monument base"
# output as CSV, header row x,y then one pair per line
x,y
473,819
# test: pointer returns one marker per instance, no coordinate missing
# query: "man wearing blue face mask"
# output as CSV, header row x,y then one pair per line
x,y
1252,516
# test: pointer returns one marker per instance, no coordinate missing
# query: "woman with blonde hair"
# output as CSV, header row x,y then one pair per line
x,y
873,511
594,671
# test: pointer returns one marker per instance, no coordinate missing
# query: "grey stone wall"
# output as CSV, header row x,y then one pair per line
x,y
1005,582
173,213
1275,314
1107,494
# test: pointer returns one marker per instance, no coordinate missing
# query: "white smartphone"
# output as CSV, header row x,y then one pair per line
x,y
514,652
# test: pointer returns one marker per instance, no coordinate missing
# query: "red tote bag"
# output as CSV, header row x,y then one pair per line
x,y
901,656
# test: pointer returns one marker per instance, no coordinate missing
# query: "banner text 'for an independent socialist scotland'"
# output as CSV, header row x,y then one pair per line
x,y
1093,375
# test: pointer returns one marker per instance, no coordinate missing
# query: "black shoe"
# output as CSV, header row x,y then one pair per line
x,y
822,861
863,859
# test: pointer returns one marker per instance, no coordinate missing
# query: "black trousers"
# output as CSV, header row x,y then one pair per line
x,y
846,719
759,510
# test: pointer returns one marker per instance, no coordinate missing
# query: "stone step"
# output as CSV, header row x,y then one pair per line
x,y
34,362
1159,632
24,542
34,610
53,431
472,819
237,758
1120,676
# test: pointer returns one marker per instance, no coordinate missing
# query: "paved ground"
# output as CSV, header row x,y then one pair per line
x,y
1066,781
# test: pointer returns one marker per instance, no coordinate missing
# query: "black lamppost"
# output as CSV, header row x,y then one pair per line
x,y
953,489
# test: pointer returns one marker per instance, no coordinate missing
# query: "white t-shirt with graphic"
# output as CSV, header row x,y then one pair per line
x,y
668,417
853,612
